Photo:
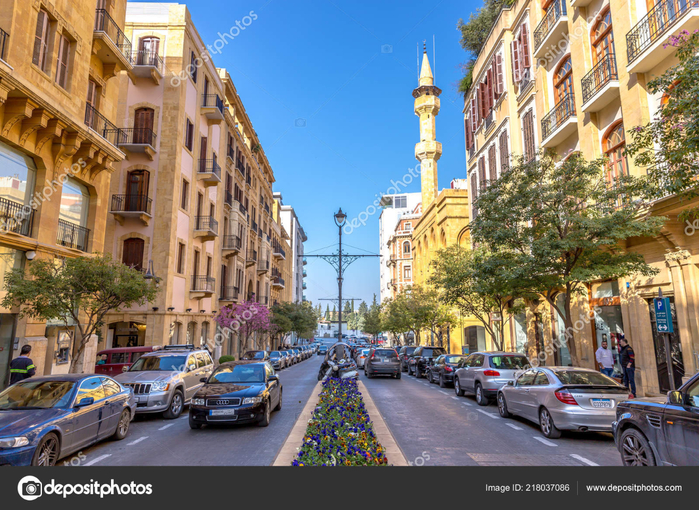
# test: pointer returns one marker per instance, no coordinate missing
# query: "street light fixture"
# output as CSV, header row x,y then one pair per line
x,y
340,219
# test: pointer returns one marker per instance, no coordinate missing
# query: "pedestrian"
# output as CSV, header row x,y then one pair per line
x,y
628,364
605,359
22,367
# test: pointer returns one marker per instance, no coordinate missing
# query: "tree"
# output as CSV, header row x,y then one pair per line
x,y
563,225
363,308
246,319
282,324
437,316
372,319
327,312
300,318
394,316
82,287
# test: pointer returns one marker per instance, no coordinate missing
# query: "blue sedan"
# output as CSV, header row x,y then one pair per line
x,y
43,419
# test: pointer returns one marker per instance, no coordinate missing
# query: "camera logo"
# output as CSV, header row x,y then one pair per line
x,y
30,488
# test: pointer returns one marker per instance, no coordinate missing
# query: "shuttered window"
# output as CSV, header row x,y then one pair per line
x,y
504,153
41,40
62,63
189,135
184,199
474,194
193,66
133,253
492,163
481,172
499,80
528,129
180,258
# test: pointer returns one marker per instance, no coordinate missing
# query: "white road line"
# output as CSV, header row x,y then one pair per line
x,y
166,426
492,415
137,441
583,459
95,461
443,392
513,426
455,398
467,403
545,441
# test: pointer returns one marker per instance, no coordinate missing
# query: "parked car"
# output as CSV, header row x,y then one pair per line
x,y
484,373
43,419
443,369
111,362
660,431
405,352
422,358
298,353
256,356
288,357
322,350
382,361
164,381
237,391
563,398
361,357
277,359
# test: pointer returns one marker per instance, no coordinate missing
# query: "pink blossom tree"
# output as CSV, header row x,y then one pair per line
x,y
245,319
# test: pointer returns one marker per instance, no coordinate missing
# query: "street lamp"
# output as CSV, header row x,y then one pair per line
x,y
340,219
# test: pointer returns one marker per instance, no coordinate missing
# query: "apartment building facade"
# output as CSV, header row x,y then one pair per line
x,y
400,249
297,236
59,67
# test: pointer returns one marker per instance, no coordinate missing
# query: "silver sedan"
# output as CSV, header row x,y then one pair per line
x,y
563,398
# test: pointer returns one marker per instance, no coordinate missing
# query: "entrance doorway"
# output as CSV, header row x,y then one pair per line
x,y
675,348
7,335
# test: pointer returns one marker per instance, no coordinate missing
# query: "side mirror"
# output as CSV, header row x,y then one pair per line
x,y
675,397
191,368
87,401
510,383
203,379
273,377
125,368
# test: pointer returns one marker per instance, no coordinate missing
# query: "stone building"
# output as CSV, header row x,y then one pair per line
x,y
400,254
60,66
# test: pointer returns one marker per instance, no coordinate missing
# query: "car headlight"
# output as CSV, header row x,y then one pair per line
x,y
160,386
198,401
13,442
252,400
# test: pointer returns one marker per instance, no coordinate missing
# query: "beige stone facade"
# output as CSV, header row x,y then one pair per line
x,y
400,249
60,62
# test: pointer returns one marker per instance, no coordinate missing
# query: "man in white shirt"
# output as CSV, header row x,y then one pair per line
x,y
605,359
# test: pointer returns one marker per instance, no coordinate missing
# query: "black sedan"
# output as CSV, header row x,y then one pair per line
x,y
660,431
443,368
43,419
238,391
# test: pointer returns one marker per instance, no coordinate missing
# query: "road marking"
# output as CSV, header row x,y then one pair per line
x,y
166,426
137,441
545,441
443,392
583,459
95,461
466,403
455,398
513,426
492,415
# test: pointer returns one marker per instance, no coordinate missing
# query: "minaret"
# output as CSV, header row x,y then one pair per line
x,y
429,150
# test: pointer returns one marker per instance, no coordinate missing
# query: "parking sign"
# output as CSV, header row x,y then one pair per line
x,y
663,315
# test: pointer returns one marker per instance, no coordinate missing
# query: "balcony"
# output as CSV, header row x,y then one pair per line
x,y
202,286
559,123
212,107
305,274
304,286
263,266
248,179
138,141
646,42
205,228
147,64
305,261
278,251
131,206
252,258
278,282
601,85
552,28
72,236
209,172
15,218
4,44
242,209
240,167
110,44
230,155
229,293
253,226
228,199
231,245
100,125
580,3
391,261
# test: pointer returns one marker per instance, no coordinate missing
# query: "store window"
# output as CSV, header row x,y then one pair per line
x,y
609,325
474,339
520,333
126,334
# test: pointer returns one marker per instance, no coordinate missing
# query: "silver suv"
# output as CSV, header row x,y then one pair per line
x,y
163,381
484,373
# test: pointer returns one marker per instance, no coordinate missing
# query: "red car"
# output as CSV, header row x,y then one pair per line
x,y
112,361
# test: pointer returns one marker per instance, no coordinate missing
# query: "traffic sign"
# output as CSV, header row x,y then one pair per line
x,y
663,315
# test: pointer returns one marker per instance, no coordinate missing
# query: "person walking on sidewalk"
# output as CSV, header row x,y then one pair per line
x,y
627,359
605,359
22,367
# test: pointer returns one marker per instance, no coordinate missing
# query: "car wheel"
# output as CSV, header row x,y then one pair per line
x,y
123,426
176,406
548,429
442,384
635,449
264,422
457,388
398,375
502,406
46,454
192,424
429,377
279,405
481,399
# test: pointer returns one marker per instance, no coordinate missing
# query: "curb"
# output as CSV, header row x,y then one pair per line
x,y
383,433
293,442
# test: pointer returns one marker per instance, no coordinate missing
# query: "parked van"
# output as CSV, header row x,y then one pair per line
x,y
112,361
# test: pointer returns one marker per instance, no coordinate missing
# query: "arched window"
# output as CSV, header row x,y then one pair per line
x,y
406,248
614,143
563,80
132,255
602,37
148,51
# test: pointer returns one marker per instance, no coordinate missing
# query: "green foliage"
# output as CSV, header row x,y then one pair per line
x,y
84,288
475,31
372,319
225,359
300,318
415,309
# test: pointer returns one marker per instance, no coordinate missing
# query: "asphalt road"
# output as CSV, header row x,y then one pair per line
x,y
153,441
434,427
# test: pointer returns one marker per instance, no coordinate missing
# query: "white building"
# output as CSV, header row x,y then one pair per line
x,y
394,206
291,224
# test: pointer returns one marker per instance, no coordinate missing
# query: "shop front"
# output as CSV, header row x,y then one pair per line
x,y
126,334
608,325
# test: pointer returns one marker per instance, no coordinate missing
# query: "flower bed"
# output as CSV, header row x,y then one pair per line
x,y
340,431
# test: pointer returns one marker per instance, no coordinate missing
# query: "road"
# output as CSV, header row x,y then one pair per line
x,y
153,441
434,427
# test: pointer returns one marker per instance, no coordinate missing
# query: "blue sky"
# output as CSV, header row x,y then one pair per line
x,y
327,85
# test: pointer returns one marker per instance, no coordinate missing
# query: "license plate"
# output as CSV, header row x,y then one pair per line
x,y
601,402
222,412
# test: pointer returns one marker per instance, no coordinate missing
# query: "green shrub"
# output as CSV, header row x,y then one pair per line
x,y
225,359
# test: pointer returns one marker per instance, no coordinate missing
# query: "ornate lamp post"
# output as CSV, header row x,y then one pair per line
x,y
340,219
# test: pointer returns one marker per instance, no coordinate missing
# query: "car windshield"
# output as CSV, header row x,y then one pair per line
x,y
509,362
239,374
159,363
453,359
584,377
255,355
385,352
37,395
365,352
275,354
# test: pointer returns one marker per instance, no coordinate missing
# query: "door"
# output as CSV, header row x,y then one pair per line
x,y
469,384
88,419
114,404
137,182
133,253
191,377
91,103
203,151
148,51
681,429
272,387
7,334
536,395
143,126
519,393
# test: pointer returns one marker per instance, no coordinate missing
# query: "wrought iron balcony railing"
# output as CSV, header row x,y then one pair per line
x,y
229,198
148,58
242,208
212,101
105,23
205,223
99,123
72,235
137,136
4,44
209,166
16,217
229,293
131,203
252,255
603,73
231,243
659,20
203,284
564,110
240,167
553,14
254,226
